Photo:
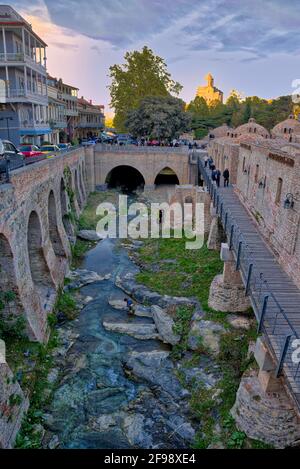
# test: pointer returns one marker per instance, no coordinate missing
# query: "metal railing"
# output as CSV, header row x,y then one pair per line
x,y
8,165
273,321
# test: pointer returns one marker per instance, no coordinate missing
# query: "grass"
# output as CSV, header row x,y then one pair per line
x,y
88,221
191,275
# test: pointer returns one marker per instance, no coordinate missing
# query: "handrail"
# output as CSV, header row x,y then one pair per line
x,y
268,307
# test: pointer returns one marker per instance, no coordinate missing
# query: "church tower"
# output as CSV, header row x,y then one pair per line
x,y
209,92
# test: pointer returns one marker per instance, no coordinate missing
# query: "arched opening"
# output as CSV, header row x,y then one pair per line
x,y
77,191
39,269
10,304
64,209
53,228
166,177
81,181
126,178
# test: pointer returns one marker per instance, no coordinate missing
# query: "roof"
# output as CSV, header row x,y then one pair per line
x,y
288,126
9,17
252,127
220,131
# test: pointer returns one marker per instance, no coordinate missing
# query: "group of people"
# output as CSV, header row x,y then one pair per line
x,y
216,173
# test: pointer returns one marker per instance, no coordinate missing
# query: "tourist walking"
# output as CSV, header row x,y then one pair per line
x,y
226,177
210,162
205,161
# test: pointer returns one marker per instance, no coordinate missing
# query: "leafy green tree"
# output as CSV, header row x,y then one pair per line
x,y
159,118
143,74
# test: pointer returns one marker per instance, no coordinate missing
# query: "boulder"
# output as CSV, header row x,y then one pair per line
x,y
81,277
156,368
239,322
164,324
142,311
118,304
206,334
138,330
88,235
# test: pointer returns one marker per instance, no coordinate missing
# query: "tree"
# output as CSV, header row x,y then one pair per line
x,y
143,74
159,118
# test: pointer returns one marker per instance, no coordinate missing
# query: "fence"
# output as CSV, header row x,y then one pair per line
x,y
280,327
101,147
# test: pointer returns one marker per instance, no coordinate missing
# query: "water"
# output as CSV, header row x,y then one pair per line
x,y
97,404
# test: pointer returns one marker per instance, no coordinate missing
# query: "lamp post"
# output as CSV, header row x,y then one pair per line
x,y
7,124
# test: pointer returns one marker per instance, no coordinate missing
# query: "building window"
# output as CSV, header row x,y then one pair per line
x,y
244,164
279,190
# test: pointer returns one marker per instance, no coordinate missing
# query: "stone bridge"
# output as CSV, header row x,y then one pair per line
x,y
35,227
148,162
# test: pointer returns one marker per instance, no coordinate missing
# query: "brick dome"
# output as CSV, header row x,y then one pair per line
x,y
251,128
287,128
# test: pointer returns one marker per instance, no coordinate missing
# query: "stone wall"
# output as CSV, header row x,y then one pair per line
x,y
149,164
259,171
34,240
13,405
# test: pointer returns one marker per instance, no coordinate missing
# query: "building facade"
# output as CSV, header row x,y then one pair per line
x,y
91,119
23,81
265,171
69,95
57,117
209,92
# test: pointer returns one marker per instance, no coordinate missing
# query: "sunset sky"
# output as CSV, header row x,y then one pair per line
x,y
250,45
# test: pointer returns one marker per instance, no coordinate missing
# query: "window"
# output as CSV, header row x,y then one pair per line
x,y
244,164
279,190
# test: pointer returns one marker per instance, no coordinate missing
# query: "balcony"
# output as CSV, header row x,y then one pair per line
x,y
18,58
16,95
58,124
30,127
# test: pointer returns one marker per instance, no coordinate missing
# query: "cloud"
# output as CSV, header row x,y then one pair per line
x,y
252,27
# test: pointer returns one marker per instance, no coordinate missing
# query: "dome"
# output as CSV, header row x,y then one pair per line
x,y
252,128
287,127
221,131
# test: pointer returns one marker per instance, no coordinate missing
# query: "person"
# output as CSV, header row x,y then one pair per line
x,y
226,177
218,177
129,303
214,174
210,162
205,161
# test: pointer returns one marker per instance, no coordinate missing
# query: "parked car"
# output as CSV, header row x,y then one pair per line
x,y
10,157
48,149
64,146
30,150
86,143
126,140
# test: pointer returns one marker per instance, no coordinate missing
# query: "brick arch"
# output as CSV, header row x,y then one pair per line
x,y
54,234
39,270
65,212
141,168
127,175
168,167
9,291
77,189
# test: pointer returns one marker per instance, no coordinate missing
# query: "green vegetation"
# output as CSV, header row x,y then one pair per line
x,y
10,324
144,74
237,111
66,304
161,118
191,273
88,221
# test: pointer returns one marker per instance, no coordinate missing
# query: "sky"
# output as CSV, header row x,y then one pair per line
x,y
252,46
